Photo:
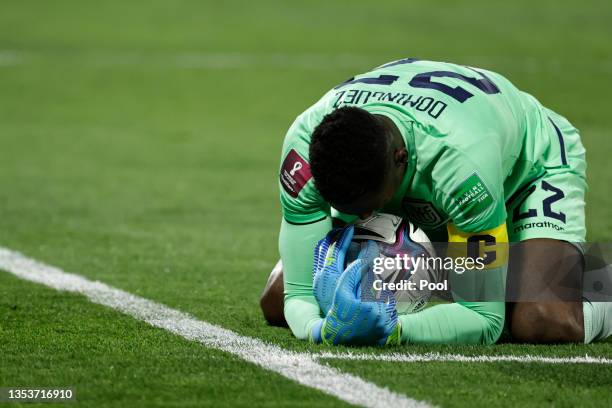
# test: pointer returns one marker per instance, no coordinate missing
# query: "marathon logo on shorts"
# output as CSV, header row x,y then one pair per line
x,y
295,173
540,224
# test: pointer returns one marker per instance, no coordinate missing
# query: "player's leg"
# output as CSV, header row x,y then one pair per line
x,y
546,226
597,315
545,277
547,218
272,298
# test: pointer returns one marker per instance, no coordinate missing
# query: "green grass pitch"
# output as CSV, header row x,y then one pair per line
x,y
139,144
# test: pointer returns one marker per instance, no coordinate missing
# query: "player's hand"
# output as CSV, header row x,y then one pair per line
x,y
329,257
354,319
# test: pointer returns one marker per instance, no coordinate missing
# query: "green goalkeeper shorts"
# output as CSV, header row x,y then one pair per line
x,y
553,205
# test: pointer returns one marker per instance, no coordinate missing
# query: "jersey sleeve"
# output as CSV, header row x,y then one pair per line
x,y
296,246
478,314
456,323
305,221
468,187
301,203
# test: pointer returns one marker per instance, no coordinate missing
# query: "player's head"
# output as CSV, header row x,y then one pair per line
x,y
357,160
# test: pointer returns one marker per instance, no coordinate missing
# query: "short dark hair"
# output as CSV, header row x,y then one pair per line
x,y
348,154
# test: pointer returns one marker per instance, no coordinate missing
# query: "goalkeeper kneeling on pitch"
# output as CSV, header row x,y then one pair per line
x,y
467,157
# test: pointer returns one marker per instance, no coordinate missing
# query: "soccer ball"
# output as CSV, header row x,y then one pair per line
x,y
403,242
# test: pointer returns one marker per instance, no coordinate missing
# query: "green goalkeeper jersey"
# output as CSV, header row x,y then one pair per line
x,y
472,136
473,140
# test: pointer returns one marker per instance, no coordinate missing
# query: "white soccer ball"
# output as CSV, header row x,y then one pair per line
x,y
401,244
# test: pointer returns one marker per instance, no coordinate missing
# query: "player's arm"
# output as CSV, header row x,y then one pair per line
x,y
477,316
306,220
304,224
296,246
469,189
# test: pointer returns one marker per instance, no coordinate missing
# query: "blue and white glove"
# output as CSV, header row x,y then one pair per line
x,y
329,259
353,320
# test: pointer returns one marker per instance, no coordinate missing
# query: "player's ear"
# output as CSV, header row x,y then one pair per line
x,y
400,156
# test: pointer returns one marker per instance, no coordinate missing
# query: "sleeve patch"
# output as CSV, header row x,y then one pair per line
x,y
295,173
472,196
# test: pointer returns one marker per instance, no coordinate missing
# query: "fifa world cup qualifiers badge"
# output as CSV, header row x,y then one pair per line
x,y
294,173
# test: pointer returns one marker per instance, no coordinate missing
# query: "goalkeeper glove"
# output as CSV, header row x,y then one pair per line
x,y
329,259
356,320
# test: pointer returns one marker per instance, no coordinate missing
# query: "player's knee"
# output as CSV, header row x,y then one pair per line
x,y
269,307
272,299
272,303
547,322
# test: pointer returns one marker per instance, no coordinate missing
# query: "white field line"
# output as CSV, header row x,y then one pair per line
x,y
300,367
428,357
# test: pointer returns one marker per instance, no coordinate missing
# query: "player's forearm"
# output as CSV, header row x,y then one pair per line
x,y
301,314
457,323
296,246
467,321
